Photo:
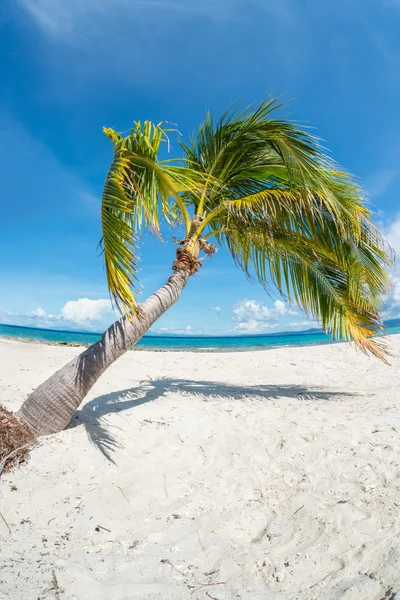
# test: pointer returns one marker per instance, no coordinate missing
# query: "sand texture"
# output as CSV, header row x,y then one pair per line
x,y
254,475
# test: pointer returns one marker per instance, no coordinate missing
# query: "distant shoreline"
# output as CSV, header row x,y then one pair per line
x,y
171,343
28,340
86,345
171,335
221,350
247,348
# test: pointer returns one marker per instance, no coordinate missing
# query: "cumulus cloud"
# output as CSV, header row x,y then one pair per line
x,y
393,236
251,310
38,312
253,317
91,314
392,308
216,309
84,310
281,308
253,326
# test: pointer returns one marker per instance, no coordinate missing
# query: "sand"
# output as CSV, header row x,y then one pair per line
x,y
254,475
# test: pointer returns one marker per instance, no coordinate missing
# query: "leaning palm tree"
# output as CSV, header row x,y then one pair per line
x,y
257,185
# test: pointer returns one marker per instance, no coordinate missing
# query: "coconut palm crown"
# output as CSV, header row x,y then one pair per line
x,y
263,188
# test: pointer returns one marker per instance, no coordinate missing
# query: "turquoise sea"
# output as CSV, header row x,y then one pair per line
x,y
199,343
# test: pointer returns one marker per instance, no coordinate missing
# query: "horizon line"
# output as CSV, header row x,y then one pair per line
x,y
172,335
308,331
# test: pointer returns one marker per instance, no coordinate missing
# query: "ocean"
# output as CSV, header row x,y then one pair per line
x,y
196,343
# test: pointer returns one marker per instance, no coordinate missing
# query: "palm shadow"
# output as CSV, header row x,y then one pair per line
x,y
92,415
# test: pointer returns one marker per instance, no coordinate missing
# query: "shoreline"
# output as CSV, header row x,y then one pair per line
x,y
175,349
249,348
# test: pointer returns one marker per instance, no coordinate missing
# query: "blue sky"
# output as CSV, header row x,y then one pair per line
x,y
69,68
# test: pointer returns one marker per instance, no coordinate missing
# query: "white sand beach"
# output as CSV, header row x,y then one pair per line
x,y
252,475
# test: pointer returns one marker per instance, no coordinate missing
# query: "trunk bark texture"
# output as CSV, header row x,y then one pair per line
x,y
50,407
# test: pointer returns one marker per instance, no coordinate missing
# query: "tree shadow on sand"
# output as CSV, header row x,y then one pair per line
x,y
93,413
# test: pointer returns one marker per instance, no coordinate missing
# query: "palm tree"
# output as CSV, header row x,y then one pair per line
x,y
258,185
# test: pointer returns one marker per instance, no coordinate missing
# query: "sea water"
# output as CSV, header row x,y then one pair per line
x,y
199,343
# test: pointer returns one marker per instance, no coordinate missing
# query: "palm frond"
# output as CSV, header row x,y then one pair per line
x,y
119,238
264,187
336,281
291,217
138,192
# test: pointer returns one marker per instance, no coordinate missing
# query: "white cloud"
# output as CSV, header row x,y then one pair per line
x,y
216,309
35,318
283,309
251,310
396,290
392,308
302,325
393,236
92,314
253,317
253,326
38,312
84,310
54,317
280,307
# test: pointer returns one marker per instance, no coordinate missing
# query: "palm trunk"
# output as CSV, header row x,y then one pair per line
x,y
50,407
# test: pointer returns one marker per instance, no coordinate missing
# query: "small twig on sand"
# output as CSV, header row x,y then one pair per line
x,y
296,511
123,493
56,587
104,528
5,522
212,597
326,577
198,585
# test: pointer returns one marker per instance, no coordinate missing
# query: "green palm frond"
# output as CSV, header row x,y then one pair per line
x,y
139,192
119,237
290,217
337,281
263,187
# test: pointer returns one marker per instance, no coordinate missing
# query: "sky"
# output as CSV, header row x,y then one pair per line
x,y
70,68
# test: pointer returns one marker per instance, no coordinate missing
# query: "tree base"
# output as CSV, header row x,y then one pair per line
x,y
16,439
